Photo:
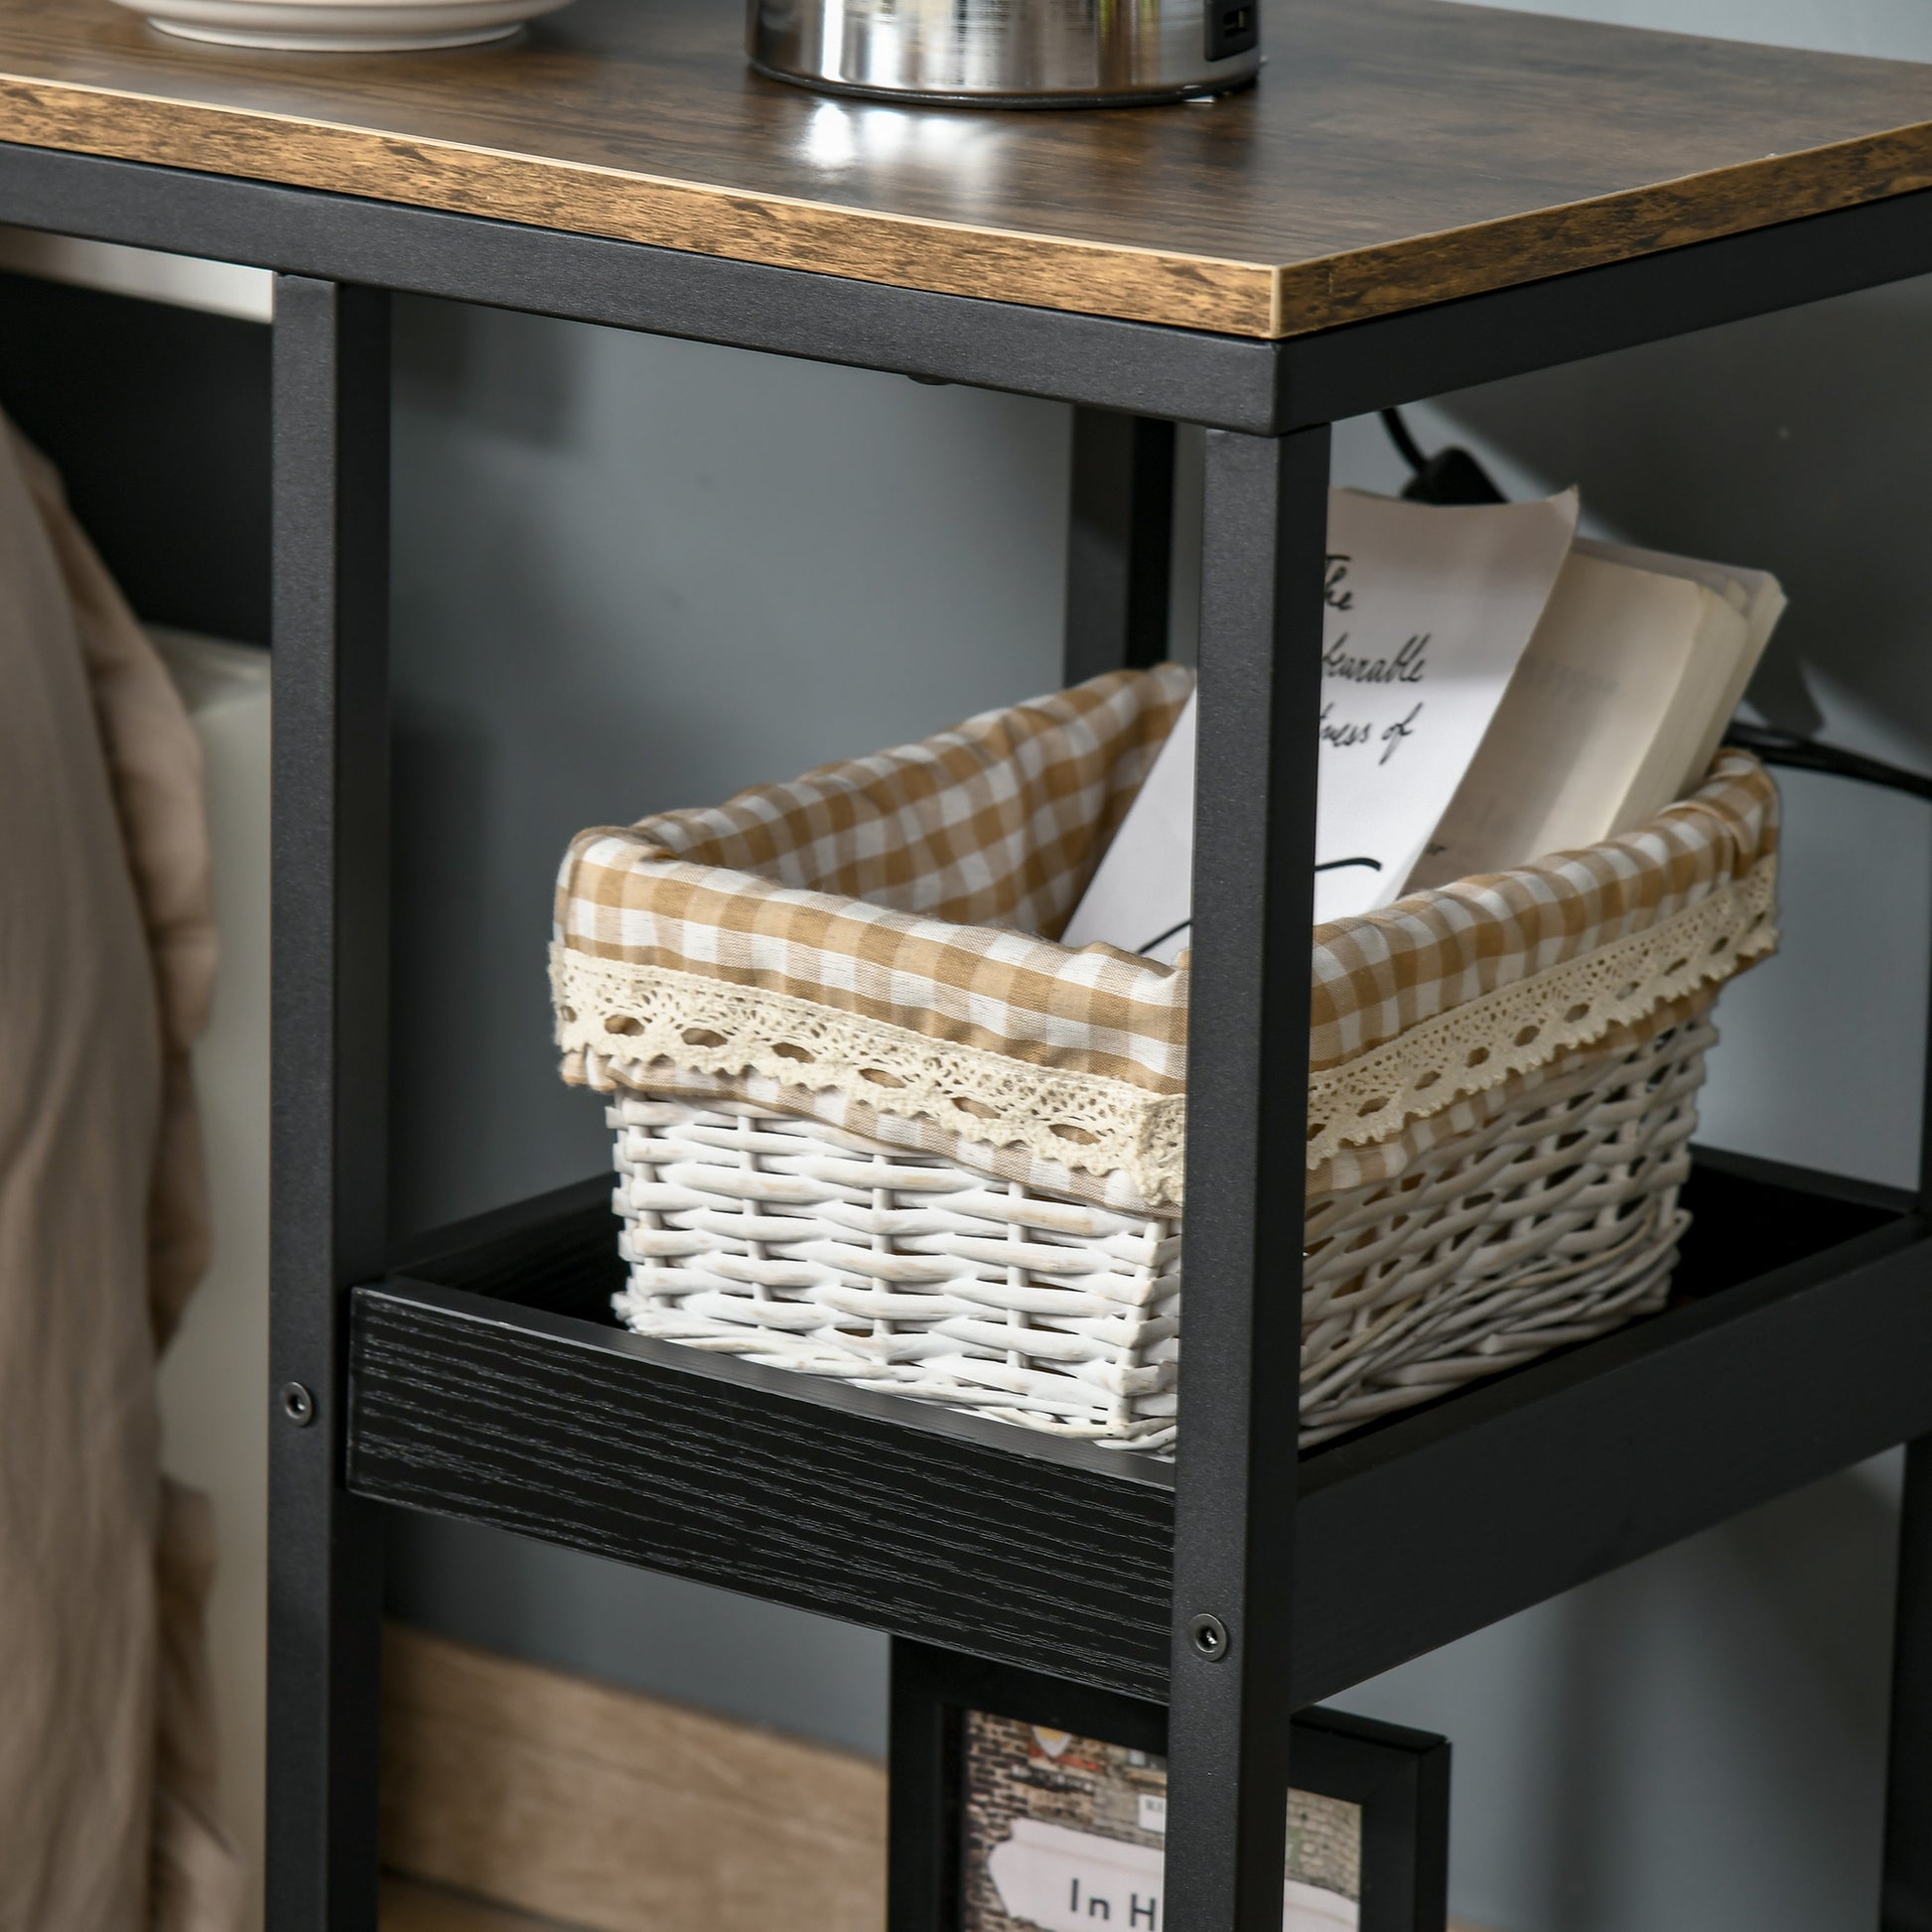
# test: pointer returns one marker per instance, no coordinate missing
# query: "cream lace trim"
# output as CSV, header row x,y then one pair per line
x,y
702,1026
636,1015
1519,1028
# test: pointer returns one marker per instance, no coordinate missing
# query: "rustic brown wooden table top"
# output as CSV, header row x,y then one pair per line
x,y
1395,153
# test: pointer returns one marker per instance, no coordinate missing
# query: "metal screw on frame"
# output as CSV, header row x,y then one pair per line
x,y
1209,1637
298,1405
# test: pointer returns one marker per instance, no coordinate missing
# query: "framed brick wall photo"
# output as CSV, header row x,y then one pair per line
x,y
1023,1804
1068,1834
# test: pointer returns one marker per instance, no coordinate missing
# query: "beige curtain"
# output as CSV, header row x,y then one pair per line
x,y
107,1819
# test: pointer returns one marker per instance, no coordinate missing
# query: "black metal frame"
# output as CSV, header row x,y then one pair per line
x,y
1119,543
1264,525
1546,1472
1263,388
330,1095
1398,1777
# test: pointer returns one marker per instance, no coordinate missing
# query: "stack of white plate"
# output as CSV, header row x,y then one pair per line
x,y
342,26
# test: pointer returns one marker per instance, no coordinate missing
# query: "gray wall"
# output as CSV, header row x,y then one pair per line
x,y
636,573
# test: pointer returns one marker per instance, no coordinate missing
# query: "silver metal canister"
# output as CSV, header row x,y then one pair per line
x,y
1010,52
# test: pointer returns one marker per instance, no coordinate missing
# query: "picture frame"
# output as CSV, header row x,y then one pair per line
x,y
1025,1801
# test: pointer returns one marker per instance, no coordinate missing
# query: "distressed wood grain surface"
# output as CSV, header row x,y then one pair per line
x,y
1396,153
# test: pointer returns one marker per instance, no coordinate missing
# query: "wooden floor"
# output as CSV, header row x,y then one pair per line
x,y
411,1906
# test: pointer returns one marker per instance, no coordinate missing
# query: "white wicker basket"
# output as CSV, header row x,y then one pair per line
x,y
790,1242
873,1123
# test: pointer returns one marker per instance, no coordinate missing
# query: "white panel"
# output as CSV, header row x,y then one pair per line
x,y
221,287
215,1378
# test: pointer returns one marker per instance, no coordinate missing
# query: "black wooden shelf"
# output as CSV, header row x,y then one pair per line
x,y
488,1382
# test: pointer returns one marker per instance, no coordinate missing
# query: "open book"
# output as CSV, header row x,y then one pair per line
x,y
1615,710
1426,612
1495,689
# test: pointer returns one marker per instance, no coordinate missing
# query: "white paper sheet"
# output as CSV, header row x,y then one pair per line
x,y
1139,897
1427,612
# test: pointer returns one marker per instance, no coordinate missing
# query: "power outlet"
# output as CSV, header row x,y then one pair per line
x,y
1233,26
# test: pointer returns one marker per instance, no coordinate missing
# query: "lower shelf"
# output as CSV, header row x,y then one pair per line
x,y
490,1383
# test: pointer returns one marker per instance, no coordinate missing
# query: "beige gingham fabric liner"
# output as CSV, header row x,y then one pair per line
x,y
863,946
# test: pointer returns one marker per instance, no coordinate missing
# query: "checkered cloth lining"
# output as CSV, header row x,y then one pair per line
x,y
864,945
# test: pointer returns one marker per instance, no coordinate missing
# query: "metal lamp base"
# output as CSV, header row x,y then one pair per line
x,y
1009,53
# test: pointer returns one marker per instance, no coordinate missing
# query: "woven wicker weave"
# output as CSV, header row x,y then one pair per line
x,y
875,1122
789,1241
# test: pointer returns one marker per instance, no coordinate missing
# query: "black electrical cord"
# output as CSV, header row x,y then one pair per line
x,y
1808,755
1403,440
1452,476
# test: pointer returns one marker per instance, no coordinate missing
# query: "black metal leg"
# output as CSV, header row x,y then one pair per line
x,y
330,1085
1120,543
1265,528
1905,1882
1906,1903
